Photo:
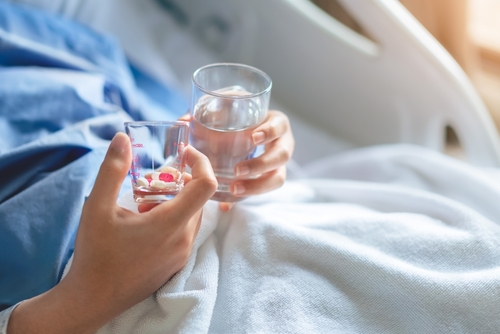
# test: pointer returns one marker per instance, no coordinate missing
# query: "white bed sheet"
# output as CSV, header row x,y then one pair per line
x,y
388,239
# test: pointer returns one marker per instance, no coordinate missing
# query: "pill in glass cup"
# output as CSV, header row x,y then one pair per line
x,y
158,166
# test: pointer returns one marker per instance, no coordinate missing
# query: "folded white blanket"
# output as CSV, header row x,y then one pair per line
x,y
392,239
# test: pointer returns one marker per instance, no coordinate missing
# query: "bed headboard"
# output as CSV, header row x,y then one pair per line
x,y
400,85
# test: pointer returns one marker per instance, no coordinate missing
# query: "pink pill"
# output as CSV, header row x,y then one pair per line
x,y
166,177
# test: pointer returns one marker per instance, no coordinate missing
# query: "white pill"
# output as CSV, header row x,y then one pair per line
x,y
155,176
142,182
158,184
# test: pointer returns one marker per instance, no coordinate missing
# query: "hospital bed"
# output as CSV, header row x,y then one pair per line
x,y
393,84
390,237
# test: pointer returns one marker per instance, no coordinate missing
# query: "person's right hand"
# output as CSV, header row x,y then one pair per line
x,y
121,257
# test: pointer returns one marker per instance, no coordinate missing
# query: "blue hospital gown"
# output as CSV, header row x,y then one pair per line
x,y
65,90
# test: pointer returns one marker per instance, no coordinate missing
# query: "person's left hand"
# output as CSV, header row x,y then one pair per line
x,y
268,169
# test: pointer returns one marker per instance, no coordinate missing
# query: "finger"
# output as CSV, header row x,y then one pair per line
x,y
145,207
265,183
195,194
225,207
187,177
203,182
113,170
198,223
186,117
274,126
276,154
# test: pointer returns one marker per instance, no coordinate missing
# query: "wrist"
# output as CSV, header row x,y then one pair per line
x,y
5,317
63,309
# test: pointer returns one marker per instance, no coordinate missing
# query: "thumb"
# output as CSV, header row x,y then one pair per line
x,y
113,170
186,117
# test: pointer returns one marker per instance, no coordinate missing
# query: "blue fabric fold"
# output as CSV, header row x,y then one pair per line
x,y
65,91
35,38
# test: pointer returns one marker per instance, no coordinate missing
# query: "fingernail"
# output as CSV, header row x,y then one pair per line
x,y
239,189
226,206
242,171
119,143
258,137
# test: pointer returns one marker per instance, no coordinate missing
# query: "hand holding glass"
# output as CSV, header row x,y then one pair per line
x,y
158,165
228,102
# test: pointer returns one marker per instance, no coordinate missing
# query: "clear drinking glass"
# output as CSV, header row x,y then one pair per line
x,y
228,102
158,165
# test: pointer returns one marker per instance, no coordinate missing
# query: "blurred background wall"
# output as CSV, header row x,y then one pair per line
x,y
468,29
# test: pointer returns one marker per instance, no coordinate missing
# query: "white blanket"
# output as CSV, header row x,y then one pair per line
x,y
392,239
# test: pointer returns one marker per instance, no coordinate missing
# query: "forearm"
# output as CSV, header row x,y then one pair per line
x,y
60,310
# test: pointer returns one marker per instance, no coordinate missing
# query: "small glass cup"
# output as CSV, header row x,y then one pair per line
x,y
158,163
228,102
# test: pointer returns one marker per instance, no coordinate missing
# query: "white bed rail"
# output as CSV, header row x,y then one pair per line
x,y
402,88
